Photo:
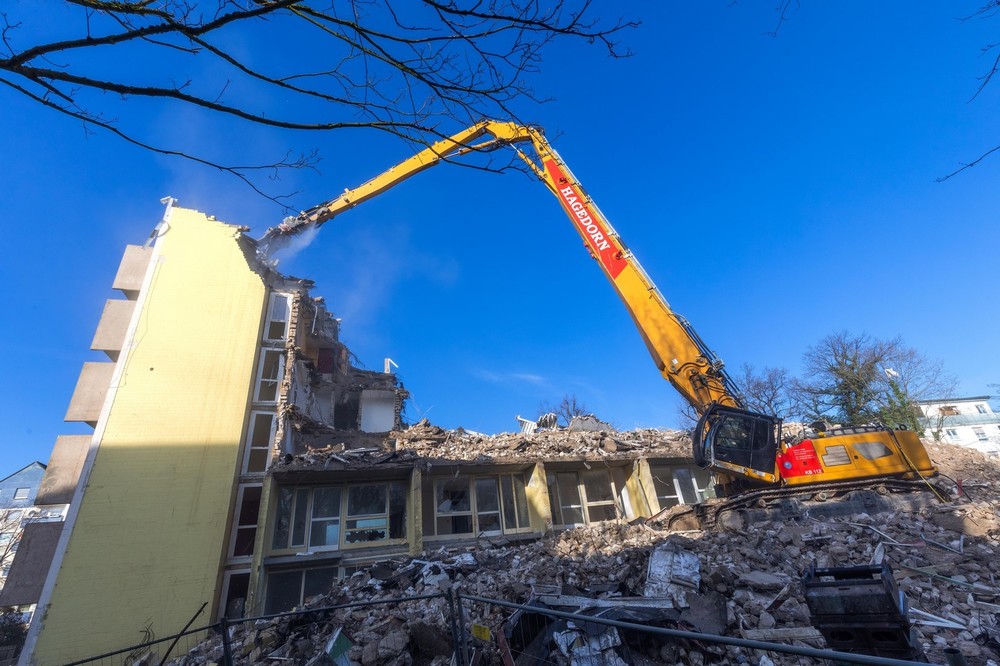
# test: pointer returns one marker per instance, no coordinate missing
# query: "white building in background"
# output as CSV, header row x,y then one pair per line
x,y
964,421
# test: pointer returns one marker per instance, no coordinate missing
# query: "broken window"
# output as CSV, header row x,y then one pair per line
x,y
483,505
234,594
329,517
581,498
948,410
681,485
259,441
325,527
326,360
289,524
247,513
279,310
377,410
375,513
345,411
272,365
288,589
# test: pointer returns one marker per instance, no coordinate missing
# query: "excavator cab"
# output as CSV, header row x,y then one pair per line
x,y
738,443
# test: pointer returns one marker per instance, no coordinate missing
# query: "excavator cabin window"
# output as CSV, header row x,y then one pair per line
x,y
738,437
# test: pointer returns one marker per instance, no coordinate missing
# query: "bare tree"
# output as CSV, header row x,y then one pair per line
x,y
784,9
860,379
406,68
567,408
12,523
766,391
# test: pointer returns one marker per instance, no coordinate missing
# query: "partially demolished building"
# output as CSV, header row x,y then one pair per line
x,y
208,352
241,463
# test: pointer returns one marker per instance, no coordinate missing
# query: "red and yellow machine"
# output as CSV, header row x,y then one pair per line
x,y
744,448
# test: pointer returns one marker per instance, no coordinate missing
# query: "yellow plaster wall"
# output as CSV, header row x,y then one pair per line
x,y
145,550
639,484
537,492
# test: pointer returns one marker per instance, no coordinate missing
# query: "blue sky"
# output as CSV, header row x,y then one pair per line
x,y
776,189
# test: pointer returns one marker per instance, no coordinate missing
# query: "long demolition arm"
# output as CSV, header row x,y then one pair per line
x,y
681,356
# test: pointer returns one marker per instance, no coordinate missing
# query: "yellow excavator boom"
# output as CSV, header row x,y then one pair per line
x,y
743,447
679,354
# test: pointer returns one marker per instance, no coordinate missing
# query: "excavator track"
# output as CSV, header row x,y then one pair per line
x,y
705,515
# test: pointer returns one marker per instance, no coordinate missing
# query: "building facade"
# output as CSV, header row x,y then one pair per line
x,y
165,494
17,510
240,462
963,421
341,502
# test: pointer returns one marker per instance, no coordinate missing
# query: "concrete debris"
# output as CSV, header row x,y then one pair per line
x,y
589,423
589,650
427,444
672,572
732,580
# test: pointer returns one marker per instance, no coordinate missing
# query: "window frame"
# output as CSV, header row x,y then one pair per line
x,y
251,432
523,523
684,489
303,572
22,493
275,302
227,578
260,380
310,518
557,503
238,514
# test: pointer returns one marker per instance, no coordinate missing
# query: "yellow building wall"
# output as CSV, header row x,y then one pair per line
x,y
147,544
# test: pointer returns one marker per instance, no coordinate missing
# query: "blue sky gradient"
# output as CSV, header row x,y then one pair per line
x,y
777,189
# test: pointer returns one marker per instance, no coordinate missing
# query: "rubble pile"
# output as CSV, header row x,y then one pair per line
x,y
424,441
742,582
429,441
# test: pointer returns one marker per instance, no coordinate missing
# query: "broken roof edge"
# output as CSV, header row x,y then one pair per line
x,y
424,443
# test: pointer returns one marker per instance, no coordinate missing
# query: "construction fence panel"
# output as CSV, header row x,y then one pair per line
x,y
152,651
480,631
532,634
253,639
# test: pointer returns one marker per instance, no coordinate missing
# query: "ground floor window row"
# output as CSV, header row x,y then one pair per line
x,y
353,515
332,517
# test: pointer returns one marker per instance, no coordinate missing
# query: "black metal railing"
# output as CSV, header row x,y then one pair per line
x,y
466,636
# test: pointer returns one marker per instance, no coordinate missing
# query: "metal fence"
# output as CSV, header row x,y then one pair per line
x,y
475,639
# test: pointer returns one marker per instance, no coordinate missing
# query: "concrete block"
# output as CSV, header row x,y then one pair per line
x,y
110,335
91,389
63,471
132,270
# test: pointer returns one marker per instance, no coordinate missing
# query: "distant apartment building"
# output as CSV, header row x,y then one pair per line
x,y
17,501
240,461
964,421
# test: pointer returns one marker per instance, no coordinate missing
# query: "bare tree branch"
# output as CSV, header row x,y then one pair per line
x,y
414,70
969,165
